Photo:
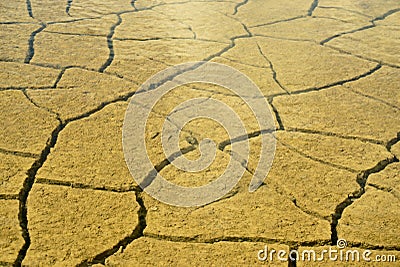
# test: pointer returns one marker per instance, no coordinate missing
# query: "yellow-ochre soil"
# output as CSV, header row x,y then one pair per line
x,y
329,70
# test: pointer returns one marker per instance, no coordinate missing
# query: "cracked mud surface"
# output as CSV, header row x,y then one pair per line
x,y
329,70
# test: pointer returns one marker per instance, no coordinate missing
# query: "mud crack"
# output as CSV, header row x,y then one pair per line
x,y
372,25
27,186
236,9
361,179
68,7
313,6
110,44
136,233
31,43
29,8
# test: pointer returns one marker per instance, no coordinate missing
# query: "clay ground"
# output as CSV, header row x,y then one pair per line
x,y
328,68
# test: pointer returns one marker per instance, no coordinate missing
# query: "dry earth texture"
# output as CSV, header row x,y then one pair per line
x,y
329,70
